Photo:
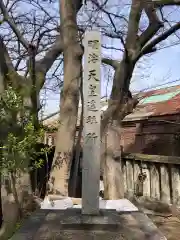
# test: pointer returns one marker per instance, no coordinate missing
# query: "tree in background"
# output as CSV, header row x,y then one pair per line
x,y
17,146
24,37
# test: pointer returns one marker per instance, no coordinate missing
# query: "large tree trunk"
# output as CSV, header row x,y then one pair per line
x,y
112,176
120,105
16,197
60,173
16,193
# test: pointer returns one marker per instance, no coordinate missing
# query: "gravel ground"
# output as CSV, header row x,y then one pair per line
x,y
169,226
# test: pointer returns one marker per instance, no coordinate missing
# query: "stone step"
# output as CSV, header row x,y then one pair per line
x,y
71,224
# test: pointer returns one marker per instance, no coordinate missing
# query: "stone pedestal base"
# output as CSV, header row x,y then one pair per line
x,y
71,224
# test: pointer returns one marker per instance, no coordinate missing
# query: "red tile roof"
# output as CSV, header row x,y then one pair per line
x,y
165,101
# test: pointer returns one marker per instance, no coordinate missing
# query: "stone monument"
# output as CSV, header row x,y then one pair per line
x,y
92,118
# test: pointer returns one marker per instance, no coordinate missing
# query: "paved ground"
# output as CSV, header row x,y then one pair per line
x,y
169,226
70,224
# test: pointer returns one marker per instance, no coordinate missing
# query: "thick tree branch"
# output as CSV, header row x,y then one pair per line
x,y
12,24
149,47
124,70
154,23
3,66
161,3
111,62
45,64
7,71
5,56
133,26
119,109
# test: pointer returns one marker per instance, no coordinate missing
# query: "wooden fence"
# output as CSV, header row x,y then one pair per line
x,y
153,176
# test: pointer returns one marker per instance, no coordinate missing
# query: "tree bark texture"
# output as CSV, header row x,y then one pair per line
x,y
112,176
12,207
120,105
60,173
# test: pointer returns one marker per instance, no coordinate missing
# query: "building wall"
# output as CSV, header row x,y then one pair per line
x,y
153,136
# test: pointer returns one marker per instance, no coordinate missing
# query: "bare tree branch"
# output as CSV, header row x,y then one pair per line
x,y
3,66
133,26
45,64
4,52
161,3
149,47
13,25
154,23
7,69
118,33
111,62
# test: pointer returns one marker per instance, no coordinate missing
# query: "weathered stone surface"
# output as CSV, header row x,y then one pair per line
x,y
92,119
71,224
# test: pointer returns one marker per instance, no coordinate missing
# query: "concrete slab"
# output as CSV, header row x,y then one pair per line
x,y
71,224
64,203
120,205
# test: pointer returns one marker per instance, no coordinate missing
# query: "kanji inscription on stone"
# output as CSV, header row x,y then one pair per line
x,y
91,148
